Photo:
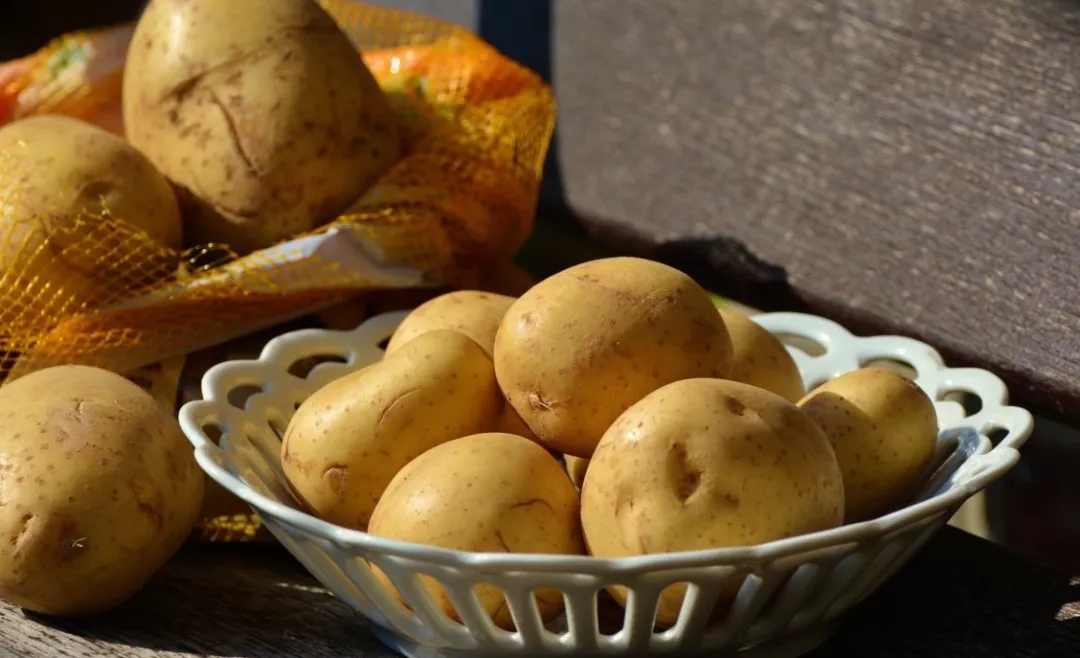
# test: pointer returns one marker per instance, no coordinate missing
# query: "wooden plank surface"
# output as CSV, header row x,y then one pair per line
x,y
960,597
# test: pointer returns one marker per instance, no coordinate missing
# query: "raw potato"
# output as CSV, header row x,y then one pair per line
x,y
263,112
451,497
707,463
760,359
511,423
472,312
583,345
98,488
63,169
884,430
350,438
576,468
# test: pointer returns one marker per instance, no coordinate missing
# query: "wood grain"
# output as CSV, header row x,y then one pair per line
x,y
900,165
961,596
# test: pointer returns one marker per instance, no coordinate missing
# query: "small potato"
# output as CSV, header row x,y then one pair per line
x,y
98,489
583,345
760,359
452,497
576,468
350,438
510,423
262,113
472,312
884,430
707,463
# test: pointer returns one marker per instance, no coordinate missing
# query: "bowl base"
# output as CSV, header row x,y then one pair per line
x,y
788,646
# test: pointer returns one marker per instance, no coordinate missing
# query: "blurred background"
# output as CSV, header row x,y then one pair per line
x,y
26,26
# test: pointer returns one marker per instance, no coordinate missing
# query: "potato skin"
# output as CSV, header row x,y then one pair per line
x,y
760,359
884,430
474,313
583,345
707,463
67,169
98,488
263,113
451,497
348,440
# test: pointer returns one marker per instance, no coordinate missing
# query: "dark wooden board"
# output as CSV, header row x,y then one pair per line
x,y
904,166
960,597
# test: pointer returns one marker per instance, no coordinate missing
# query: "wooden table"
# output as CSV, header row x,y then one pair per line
x,y
960,597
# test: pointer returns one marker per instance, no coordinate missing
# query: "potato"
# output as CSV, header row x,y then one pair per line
x,y
451,497
583,345
472,312
576,468
350,438
760,359
511,423
262,112
707,463
884,430
61,170
98,488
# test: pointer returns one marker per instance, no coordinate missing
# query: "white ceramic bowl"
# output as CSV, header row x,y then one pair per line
x,y
795,589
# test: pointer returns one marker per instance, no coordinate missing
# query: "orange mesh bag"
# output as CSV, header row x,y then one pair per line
x,y
476,126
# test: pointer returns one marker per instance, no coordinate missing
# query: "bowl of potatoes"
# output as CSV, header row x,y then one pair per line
x,y
606,465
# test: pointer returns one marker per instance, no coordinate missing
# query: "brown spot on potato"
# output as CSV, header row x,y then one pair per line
x,y
337,476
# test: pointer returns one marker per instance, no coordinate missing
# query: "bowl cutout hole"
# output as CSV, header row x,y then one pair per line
x,y
997,435
384,343
303,367
802,343
213,432
902,368
610,614
239,396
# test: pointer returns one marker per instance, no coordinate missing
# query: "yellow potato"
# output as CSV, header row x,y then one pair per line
x,y
472,312
350,438
451,497
707,463
580,347
59,170
760,359
98,488
511,423
263,113
576,468
884,430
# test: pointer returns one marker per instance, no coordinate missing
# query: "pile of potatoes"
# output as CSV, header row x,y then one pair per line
x,y
610,410
246,123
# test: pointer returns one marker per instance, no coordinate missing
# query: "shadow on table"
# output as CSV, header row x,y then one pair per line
x,y
963,597
236,601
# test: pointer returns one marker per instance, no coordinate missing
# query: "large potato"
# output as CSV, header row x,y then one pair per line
x,y
472,312
707,463
262,111
760,359
451,497
59,170
350,438
98,488
580,347
884,430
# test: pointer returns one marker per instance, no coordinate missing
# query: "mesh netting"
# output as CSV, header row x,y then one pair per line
x,y
476,126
